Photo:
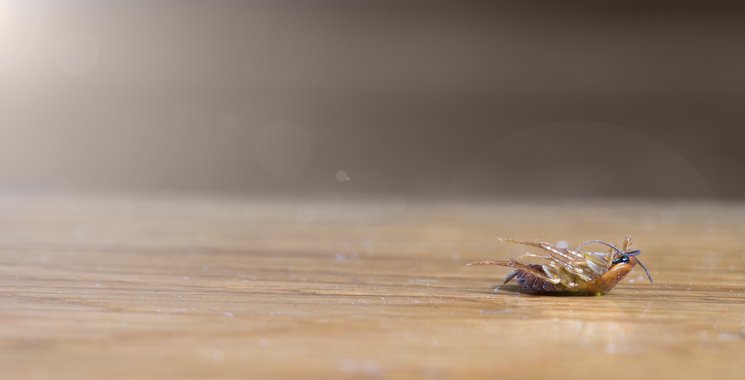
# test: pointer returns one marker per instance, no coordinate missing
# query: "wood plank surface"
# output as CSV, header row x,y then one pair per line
x,y
113,288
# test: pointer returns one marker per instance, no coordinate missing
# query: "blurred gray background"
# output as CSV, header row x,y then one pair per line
x,y
351,98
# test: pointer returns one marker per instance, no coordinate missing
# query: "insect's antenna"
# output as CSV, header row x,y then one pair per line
x,y
600,242
645,270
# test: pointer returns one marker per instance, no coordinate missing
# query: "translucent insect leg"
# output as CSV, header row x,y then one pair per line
x,y
626,243
530,254
555,252
553,264
503,263
525,268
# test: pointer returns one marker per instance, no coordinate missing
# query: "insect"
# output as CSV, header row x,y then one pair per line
x,y
571,271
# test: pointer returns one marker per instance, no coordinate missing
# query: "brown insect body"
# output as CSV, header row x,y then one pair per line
x,y
575,271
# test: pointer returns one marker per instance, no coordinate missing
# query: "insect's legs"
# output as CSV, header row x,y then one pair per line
x,y
503,263
530,254
626,243
567,259
534,272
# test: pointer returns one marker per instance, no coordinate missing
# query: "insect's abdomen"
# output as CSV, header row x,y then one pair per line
x,y
531,282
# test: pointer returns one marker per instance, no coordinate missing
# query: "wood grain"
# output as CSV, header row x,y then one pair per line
x,y
186,288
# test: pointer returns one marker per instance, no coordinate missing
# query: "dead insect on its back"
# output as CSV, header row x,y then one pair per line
x,y
575,271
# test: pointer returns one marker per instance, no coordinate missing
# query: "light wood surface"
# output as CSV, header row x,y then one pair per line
x,y
106,288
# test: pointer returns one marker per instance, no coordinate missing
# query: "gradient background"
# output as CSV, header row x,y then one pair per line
x,y
395,99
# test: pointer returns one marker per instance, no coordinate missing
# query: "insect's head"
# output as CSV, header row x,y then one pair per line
x,y
623,257
629,257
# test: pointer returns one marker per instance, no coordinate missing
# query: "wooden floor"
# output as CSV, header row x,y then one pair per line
x,y
97,288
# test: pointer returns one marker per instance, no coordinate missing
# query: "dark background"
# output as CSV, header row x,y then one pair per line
x,y
402,99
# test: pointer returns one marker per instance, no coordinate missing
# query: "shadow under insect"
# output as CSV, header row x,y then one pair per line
x,y
517,289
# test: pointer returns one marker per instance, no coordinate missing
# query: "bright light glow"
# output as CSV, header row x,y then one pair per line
x,y
18,22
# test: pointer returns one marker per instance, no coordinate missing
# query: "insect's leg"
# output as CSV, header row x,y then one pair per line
x,y
503,263
626,243
570,261
561,256
538,244
530,254
527,254
534,272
